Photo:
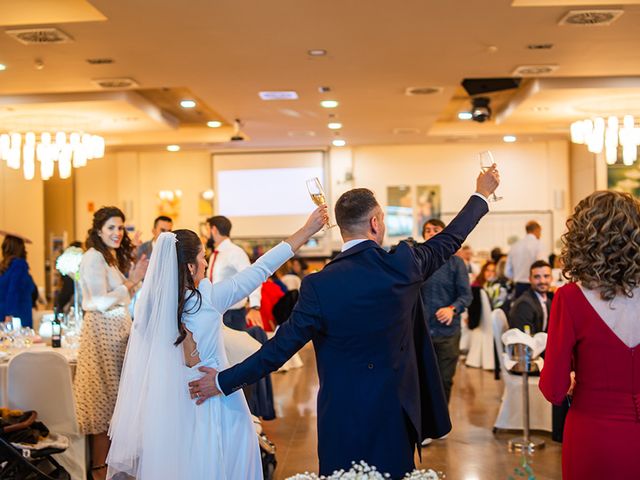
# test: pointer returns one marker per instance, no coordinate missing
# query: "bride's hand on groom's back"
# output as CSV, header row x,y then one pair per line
x,y
205,387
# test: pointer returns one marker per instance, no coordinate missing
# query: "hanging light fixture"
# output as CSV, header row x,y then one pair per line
x,y
69,151
599,135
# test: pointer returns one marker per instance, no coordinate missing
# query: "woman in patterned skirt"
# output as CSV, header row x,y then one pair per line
x,y
106,294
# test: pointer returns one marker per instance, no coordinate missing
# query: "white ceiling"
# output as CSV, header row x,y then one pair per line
x,y
225,52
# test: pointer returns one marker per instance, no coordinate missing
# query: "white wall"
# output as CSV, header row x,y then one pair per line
x,y
534,176
22,212
132,180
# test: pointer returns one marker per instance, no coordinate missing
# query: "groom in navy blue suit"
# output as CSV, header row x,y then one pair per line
x,y
380,389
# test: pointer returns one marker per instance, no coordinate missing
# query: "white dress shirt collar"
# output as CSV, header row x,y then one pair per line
x,y
353,243
223,244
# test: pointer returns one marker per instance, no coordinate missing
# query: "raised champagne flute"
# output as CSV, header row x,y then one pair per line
x,y
486,162
318,196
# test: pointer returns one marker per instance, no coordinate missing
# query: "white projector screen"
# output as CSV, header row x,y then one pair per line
x,y
265,194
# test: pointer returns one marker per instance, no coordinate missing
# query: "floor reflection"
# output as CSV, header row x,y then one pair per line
x,y
470,452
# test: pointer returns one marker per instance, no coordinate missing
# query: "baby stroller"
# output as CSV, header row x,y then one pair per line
x,y
26,449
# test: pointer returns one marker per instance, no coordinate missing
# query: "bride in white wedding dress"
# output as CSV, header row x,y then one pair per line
x,y
157,430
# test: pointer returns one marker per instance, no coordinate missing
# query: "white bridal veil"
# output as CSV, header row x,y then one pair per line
x,y
150,425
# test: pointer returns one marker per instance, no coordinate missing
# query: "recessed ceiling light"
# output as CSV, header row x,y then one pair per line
x,y
317,52
465,116
509,138
2,66
338,143
278,95
214,124
329,103
187,103
335,125
173,148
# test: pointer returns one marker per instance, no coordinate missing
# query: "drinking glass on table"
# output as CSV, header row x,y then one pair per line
x,y
486,162
318,196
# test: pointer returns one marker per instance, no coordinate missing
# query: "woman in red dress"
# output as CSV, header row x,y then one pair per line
x,y
594,330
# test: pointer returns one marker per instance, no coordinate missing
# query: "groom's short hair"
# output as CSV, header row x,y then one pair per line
x,y
354,207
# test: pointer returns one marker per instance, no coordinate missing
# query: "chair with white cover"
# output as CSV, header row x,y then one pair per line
x,y
40,380
510,413
481,344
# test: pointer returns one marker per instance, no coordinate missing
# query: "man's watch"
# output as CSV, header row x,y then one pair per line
x,y
254,308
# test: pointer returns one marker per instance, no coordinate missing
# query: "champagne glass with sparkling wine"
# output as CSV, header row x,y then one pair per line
x,y
318,196
486,161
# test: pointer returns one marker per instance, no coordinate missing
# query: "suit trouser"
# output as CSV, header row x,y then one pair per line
x,y
447,352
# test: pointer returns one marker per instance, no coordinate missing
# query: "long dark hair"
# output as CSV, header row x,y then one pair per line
x,y
12,247
124,253
188,246
481,279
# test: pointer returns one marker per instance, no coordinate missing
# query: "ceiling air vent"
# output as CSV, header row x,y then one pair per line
x,y
99,61
590,18
422,90
533,70
406,131
115,83
39,36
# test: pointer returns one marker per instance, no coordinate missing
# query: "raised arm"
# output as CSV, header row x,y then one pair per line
x,y
229,292
292,335
432,254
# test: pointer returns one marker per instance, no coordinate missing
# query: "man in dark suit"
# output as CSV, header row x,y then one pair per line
x,y
380,390
531,310
160,224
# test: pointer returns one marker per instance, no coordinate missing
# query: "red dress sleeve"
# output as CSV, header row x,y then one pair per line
x,y
554,378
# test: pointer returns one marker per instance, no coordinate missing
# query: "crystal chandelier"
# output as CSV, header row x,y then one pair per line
x,y
598,136
73,150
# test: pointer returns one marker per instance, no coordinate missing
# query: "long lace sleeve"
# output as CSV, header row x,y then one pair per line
x,y
96,294
228,292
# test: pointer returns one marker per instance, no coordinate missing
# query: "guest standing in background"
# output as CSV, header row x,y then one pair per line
x,y
522,254
445,295
298,267
226,260
290,279
160,224
594,331
64,296
466,254
106,293
16,285
270,293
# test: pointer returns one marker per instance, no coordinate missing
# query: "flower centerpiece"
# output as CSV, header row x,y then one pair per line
x,y
362,471
68,263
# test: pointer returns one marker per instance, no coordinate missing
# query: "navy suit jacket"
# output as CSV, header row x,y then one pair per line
x,y
380,389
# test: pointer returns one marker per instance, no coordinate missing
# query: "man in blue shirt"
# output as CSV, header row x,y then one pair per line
x,y
445,295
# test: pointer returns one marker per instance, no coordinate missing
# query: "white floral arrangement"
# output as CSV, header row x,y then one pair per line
x,y
69,262
362,471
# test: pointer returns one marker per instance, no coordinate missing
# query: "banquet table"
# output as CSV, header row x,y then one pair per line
x,y
71,354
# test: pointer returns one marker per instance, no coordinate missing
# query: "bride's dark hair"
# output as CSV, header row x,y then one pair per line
x,y
188,247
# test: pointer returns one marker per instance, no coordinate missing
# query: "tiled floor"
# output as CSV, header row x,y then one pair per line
x,y
470,452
